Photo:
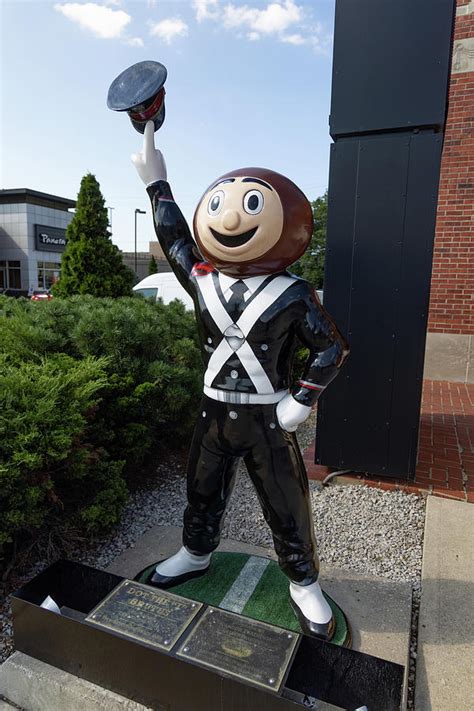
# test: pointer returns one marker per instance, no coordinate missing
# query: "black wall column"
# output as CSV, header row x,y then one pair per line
x,y
388,108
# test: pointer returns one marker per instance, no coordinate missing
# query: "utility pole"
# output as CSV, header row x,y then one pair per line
x,y
137,212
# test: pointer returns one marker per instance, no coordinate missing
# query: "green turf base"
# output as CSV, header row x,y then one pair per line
x,y
269,602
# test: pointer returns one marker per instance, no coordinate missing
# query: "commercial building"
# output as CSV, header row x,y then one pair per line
x,y
32,239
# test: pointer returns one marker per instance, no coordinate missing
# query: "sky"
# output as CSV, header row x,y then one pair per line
x,y
248,85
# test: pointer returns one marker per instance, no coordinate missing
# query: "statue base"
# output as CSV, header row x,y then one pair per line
x,y
166,651
253,586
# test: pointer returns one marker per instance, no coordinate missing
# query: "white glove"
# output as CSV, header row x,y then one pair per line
x,y
150,163
291,413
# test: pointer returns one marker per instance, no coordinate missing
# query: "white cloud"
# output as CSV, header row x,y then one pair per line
x,y
294,39
168,29
134,42
206,9
102,21
274,19
283,20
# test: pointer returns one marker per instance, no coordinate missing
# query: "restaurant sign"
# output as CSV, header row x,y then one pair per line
x,y
50,239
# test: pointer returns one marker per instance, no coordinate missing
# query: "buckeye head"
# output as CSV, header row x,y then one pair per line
x,y
251,222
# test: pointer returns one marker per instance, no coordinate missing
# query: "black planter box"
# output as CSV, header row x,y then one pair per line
x,y
319,672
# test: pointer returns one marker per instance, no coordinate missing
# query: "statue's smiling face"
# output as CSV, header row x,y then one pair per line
x,y
239,219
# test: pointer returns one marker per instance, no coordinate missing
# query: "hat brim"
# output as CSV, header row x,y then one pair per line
x,y
136,85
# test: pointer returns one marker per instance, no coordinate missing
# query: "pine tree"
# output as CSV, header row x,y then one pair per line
x,y
91,263
152,265
310,266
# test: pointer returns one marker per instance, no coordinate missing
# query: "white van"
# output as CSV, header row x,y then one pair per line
x,y
163,286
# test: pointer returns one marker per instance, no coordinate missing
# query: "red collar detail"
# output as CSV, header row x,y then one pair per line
x,y
201,269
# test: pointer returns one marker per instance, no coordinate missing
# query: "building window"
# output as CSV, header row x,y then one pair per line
x,y
10,275
48,274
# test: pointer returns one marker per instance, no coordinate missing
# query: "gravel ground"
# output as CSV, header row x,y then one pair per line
x,y
357,527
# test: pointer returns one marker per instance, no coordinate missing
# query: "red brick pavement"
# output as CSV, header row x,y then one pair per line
x,y
446,452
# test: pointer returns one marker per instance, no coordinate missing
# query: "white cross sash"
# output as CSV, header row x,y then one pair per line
x,y
245,323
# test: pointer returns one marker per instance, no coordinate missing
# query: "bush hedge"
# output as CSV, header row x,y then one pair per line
x,y
88,388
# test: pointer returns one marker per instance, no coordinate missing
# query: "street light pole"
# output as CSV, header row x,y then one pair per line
x,y
137,212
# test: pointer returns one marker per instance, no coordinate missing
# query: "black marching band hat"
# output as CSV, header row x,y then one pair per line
x,y
139,90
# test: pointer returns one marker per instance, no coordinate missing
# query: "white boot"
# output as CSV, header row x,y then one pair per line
x,y
313,611
311,601
181,563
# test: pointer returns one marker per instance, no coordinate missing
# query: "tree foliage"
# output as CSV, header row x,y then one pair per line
x,y
311,265
152,265
91,263
90,391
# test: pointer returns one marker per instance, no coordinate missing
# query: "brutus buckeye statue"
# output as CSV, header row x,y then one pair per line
x,y
249,226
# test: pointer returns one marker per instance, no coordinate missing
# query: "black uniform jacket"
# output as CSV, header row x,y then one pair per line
x,y
295,317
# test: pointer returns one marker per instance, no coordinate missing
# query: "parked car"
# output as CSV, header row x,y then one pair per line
x,y
41,295
163,286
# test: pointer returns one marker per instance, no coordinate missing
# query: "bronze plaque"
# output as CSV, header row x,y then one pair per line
x,y
147,614
245,648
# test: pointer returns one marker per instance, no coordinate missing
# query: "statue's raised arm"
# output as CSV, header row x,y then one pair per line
x,y
170,225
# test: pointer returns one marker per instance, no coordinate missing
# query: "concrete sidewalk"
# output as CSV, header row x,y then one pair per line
x,y
444,675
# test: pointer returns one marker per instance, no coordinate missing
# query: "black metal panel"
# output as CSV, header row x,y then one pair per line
x,y
156,679
162,680
391,64
338,679
337,291
411,313
382,199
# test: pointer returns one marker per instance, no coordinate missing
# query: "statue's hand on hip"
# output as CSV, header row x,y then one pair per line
x,y
291,413
149,163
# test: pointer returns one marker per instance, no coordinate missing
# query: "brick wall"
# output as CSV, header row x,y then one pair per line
x,y
452,283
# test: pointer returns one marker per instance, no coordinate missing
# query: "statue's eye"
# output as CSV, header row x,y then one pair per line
x,y
215,203
253,202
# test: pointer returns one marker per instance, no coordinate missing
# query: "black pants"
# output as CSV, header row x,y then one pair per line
x,y
225,433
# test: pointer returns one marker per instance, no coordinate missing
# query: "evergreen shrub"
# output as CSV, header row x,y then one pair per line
x,y
90,388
